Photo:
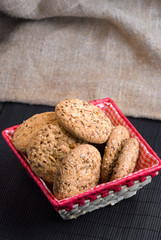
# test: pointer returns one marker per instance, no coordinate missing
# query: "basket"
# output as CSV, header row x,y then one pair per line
x,y
107,193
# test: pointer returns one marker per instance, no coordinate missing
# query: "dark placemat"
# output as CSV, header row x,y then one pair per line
x,y
25,213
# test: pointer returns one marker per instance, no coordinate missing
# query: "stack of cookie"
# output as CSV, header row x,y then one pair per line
x,y
61,149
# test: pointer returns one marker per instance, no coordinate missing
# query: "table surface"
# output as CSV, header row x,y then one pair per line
x,y
25,213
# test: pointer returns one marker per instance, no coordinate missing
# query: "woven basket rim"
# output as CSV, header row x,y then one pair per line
x,y
91,193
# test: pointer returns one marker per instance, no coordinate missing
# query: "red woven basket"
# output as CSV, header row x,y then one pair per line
x,y
107,193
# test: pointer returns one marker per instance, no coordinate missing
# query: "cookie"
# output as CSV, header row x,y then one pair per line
x,y
84,120
113,147
48,146
127,159
26,130
79,171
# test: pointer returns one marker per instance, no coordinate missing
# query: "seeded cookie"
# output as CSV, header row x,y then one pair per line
x,y
113,147
26,130
127,159
79,171
48,146
84,120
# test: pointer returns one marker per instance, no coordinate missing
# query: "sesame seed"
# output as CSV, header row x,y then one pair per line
x,y
82,155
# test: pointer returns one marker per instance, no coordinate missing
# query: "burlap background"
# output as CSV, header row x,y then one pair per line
x,y
55,49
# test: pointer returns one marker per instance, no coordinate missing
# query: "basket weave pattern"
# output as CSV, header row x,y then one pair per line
x,y
107,193
111,199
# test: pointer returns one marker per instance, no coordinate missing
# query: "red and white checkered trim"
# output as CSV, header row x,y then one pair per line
x,y
148,163
146,159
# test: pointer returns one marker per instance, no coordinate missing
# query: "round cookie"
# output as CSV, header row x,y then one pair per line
x,y
84,120
113,147
127,159
78,172
48,146
26,130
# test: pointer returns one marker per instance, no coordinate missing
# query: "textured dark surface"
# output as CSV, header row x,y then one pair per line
x,y
25,213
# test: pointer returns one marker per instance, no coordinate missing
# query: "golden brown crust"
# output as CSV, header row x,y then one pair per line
x,y
26,130
49,145
114,145
127,159
79,171
84,120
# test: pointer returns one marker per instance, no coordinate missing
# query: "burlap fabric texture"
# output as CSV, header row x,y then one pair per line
x,y
55,49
